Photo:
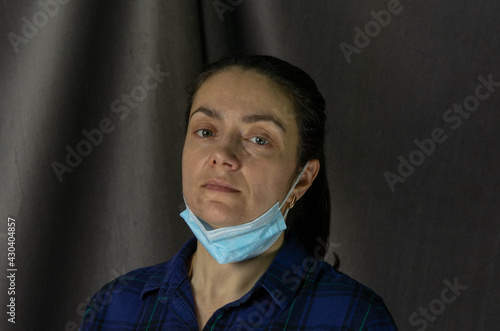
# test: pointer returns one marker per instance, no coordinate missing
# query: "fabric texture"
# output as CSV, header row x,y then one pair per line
x,y
297,292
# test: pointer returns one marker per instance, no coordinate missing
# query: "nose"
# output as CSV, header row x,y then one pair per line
x,y
225,154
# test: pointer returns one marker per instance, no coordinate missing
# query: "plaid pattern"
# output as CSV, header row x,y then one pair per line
x,y
297,292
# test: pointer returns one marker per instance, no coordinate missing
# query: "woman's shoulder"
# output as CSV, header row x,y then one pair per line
x,y
295,261
138,278
154,275
327,276
134,283
335,291
330,297
125,295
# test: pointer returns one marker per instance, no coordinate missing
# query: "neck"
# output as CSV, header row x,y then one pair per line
x,y
229,282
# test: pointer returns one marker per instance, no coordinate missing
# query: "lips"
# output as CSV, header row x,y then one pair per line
x,y
219,186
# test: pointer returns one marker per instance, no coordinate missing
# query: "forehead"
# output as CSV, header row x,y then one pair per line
x,y
236,91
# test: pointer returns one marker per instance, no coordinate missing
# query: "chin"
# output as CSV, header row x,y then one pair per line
x,y
221,219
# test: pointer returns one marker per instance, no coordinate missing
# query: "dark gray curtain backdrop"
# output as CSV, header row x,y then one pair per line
x,y
106,79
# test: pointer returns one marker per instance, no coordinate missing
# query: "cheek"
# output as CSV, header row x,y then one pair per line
x,y
270,186
193,160
189,153
188,167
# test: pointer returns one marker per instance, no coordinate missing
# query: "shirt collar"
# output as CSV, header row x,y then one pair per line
x,y
282,279
286,274
170,275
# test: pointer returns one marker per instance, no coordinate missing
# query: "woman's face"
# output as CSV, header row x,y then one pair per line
x,y
240,151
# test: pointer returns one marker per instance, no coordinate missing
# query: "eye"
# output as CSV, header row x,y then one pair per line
x,y
259,140
204,133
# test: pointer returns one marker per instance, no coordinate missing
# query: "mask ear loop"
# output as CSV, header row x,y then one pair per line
x,y
291,189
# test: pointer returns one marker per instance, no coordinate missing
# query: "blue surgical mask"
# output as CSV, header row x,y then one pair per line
x,y
241,242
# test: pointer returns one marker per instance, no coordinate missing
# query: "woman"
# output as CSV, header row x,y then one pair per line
x,y
257,200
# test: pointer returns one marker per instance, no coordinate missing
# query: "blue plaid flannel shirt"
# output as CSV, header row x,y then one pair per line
x,y
297,292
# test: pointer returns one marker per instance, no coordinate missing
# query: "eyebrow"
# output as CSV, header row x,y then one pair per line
x,y
260,118
215,114
209,112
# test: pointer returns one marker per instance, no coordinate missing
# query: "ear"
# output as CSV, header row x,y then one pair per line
x,y
305,180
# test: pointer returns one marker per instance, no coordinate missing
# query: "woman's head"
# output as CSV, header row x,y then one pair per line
x,y
252,123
